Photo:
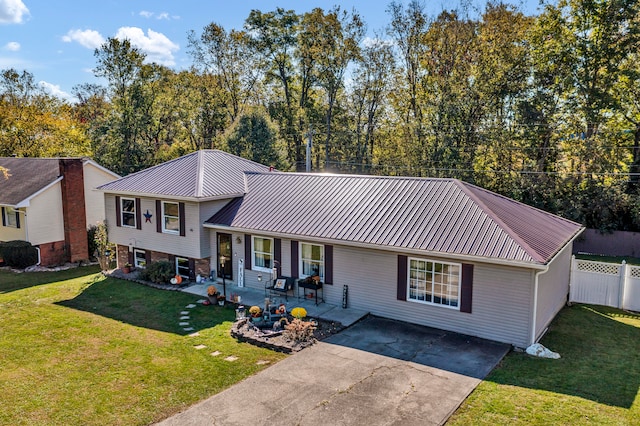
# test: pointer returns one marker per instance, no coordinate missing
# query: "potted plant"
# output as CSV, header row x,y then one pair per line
x,y
221,299
212,294
255,311
126,268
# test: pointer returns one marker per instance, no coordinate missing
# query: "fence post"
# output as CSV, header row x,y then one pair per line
x,y
623,284
572,278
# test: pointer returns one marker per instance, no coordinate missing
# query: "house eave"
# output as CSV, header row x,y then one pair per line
x,y
403,250
172,197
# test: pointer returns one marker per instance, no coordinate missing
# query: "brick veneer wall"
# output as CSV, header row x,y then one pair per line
x,y
202,266
52,254
73,208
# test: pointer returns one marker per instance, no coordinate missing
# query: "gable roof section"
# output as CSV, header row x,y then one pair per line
x,y
27,177
204,174
436,215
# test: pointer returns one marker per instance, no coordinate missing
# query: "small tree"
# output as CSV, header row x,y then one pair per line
x,y
103,248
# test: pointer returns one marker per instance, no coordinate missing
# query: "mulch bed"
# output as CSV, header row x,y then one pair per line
x,y
245,332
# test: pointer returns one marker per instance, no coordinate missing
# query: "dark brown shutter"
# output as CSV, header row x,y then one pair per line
x,y
147,257
158,216
402,277
294,259
192,269
328,264
172,260
466,288
4,220
138,214
247,251
130,258
118,212
277,254
17,219
183,231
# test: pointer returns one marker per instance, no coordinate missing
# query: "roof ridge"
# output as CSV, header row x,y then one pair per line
x,y
349,176
200,173
501,224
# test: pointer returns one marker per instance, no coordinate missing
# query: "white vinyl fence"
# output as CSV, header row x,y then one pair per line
x,y
609,284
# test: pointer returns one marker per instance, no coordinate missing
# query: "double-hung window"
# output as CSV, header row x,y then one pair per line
x,y
139,258
10,217
128,212
312,260
436,283
170,217
262,248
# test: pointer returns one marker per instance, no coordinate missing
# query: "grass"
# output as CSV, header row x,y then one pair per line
x,y
595,382
79,348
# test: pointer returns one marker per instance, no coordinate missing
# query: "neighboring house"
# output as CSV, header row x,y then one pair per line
x,y
50,202
436,252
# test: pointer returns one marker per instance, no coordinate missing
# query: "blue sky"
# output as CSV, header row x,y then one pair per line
x,y
55,40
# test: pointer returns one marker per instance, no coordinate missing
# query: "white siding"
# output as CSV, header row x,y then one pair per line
x,y
148,238
501,296
45,223
553,288
207,235
94,200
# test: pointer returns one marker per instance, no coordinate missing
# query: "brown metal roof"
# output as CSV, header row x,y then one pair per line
x,y
437,215
201,174
27,176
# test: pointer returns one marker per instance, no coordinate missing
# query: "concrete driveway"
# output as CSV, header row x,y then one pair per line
x,y
377,372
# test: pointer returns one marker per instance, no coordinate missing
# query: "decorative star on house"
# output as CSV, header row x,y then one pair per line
x,y
147,216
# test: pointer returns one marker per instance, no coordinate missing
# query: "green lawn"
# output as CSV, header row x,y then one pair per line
x,y
77,348
595,382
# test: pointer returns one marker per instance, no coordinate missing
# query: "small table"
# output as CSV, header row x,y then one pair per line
x,y
313,286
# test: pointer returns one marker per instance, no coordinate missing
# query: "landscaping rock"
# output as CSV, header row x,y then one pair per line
x,y
540,351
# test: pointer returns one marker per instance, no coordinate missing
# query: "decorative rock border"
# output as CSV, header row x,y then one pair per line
x,y
277,343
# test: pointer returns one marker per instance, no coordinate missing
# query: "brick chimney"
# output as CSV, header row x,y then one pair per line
x,y
73,209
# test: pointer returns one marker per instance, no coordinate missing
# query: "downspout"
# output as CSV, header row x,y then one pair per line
x,y
535,304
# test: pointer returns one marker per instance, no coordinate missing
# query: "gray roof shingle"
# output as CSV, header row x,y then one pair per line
x,y
436,215
201,175
27,176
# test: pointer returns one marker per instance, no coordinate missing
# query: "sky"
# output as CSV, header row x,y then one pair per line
x,y
55,40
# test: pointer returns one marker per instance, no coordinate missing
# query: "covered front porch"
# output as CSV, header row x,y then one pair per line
x,y
252,296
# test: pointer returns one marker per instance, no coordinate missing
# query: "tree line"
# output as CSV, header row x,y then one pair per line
x,y
543,109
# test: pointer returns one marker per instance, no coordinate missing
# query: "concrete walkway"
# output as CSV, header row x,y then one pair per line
x,y
378,372
252,296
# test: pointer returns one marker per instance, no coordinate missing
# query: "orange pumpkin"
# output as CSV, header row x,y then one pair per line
x,y
178,279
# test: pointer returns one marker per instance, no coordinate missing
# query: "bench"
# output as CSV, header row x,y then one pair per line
x,y
281,286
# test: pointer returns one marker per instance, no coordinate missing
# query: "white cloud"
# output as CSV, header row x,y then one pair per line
x,y
156,46
55,90
13,46
164,15
159,16
90,39
146,13
12,11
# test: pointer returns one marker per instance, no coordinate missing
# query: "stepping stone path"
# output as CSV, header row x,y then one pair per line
x,y
198,347
216,353
262,362
231,358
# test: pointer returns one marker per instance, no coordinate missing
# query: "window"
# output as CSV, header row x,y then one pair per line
x,y
182,267
262,254
435,283
128,212
139,258
10,217
170,218
312,260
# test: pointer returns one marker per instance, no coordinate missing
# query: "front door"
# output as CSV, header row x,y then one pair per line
x,y
225,267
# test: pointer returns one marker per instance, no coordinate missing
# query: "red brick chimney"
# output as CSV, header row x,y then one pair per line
x,y
73,209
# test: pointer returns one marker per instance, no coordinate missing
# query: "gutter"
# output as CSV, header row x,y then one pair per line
x,y
536,285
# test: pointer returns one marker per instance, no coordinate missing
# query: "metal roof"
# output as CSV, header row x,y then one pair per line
x,y
27,176
200,175
437,215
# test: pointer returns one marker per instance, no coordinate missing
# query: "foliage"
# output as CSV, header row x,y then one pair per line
x,y
253,137
299,331
299,313
255,311
99,245
212,290
120,343
159,272
18,254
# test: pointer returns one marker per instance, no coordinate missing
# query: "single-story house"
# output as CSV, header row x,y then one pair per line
x,y
51,202
436,252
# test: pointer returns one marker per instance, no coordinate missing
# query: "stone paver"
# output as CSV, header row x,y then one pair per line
x,y
231,358
200,346
190,306
196,334
262,362
185,317
188,329
216,353
185,313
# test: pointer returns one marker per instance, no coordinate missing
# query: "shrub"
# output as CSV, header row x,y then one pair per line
x,y
299,331
18,254
158,272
